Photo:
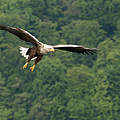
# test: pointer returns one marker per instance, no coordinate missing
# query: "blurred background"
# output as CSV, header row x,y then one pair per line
x,y
64,86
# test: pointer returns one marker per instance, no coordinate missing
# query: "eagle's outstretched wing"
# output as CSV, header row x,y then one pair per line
x,y
76,48
22,34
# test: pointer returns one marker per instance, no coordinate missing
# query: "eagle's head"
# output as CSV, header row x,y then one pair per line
x,y
46,49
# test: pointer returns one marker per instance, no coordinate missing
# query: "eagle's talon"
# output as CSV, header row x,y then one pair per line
x,y
25,66
32,68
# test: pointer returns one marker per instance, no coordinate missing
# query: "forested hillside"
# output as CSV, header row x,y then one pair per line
x,y
64,86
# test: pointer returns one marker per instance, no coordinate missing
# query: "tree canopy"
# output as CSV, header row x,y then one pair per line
x,y
64,86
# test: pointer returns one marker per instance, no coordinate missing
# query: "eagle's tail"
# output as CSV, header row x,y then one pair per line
x,y
23,52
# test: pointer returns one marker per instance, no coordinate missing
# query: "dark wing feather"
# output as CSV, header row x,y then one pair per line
x,y
76,48
22,34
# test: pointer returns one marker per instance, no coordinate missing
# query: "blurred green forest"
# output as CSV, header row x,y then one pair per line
x,y
64,86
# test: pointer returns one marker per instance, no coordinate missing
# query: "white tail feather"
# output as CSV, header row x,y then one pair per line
x,y
23,52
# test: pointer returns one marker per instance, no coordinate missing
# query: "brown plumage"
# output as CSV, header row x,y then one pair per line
x,y
76,48
40,48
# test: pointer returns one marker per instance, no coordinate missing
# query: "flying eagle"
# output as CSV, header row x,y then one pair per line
x,y
39,49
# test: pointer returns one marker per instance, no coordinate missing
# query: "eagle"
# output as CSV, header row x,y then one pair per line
x,y
39,49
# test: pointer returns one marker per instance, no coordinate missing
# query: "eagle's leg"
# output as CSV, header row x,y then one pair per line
x,y
36,61
28,60
32,68
25,66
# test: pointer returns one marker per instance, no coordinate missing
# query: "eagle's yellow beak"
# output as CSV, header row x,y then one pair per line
x,y
52,50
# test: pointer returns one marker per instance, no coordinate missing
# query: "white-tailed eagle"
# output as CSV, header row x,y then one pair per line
x,y
39,49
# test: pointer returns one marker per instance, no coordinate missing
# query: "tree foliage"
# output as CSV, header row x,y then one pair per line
x,y
64,86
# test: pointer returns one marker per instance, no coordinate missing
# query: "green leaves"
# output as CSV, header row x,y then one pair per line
x,y
64,86
108,72
79,92
83,32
